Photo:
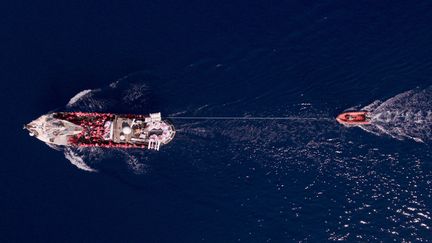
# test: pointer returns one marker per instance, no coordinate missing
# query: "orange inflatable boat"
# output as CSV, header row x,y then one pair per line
x,y
354,118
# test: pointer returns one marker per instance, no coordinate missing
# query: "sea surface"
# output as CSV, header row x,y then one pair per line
x,y
299,178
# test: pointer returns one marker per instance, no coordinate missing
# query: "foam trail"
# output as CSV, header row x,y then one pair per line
x,y
78,96
405,116
76,160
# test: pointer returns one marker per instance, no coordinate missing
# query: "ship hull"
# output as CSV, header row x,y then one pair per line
x,y
81,129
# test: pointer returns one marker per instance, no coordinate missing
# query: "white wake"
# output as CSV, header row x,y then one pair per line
x,y
77,160
405,116
78,96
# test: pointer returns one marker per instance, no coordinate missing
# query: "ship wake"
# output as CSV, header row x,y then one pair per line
x,y
77,159
405,116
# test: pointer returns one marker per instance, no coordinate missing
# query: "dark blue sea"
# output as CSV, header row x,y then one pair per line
x,y
301,179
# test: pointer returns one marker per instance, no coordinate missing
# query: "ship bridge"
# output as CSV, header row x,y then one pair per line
x,y
152,131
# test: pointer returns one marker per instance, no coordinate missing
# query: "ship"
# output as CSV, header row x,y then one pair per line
x,y
354,118
84,129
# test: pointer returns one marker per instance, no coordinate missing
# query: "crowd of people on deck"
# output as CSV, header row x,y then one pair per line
x,y
94,129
